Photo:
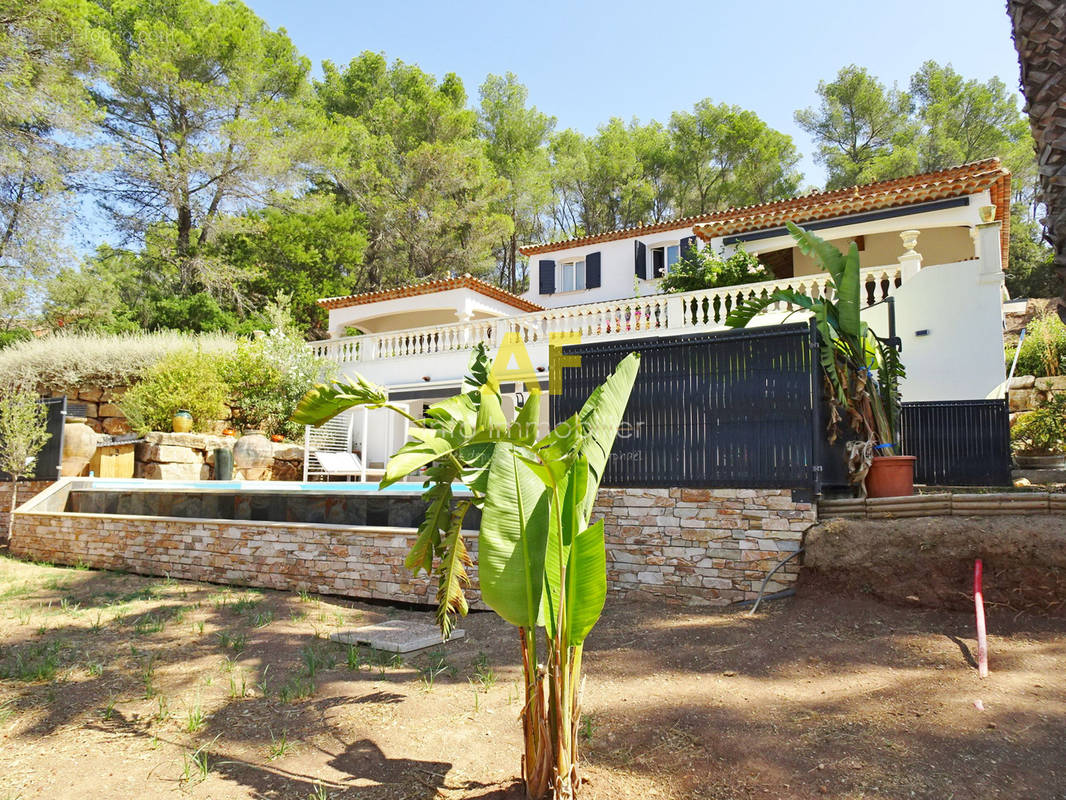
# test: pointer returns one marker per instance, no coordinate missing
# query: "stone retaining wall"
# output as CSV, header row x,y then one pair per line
x,y
699,546
1027,393
26,491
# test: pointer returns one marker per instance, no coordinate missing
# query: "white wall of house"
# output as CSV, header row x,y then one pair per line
x,y
945,238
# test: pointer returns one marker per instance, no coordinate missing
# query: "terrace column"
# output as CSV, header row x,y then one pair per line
x,y
911,261
990,252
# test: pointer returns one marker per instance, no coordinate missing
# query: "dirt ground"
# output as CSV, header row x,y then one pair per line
x,y
124,686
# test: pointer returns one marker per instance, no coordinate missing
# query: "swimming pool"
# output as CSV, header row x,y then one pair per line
x,y
330,503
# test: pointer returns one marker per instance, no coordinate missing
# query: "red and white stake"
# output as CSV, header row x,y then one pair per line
x,y
979,607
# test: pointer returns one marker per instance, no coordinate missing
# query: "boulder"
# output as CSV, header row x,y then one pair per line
x,y
1025,399
197,441
1055,383
113,394
116,426
110,410
90,394
287,451
287,471
1021,382
174,472
91,409
168,454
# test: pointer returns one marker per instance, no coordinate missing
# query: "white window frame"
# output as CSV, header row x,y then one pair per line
x,y
667,263
576,267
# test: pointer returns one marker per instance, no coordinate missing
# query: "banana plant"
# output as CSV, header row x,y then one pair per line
x,y
862,372
541,560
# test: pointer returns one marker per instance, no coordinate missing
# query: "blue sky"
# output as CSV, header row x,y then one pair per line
x,y
585,62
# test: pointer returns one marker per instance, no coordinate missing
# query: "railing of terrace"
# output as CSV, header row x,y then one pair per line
x,y
701,310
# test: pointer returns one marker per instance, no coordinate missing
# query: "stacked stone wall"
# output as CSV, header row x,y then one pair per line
x,y
692,546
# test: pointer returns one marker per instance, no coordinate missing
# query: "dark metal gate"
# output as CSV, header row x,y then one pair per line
x,y
958,442
51,455
738,409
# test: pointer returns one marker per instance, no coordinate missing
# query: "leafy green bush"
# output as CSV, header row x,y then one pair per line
x,y
1043,350
64,361
267,377
705,269
188,379
1042,432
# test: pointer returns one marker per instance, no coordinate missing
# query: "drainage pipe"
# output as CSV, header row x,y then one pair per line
x,y
769,575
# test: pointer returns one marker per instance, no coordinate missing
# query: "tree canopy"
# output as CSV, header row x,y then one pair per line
x,y
227,176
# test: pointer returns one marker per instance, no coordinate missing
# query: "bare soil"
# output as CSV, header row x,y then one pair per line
x,y
105,678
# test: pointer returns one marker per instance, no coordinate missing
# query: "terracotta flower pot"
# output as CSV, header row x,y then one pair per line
x,y
79,446
253,456
890,476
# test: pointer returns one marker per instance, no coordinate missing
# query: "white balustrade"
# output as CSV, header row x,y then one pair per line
x,y
704,309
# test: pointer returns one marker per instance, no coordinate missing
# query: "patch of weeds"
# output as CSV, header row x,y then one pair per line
x,y
317,658
15,590
67,607
199,628
197,765
297,687
588,727
484,675
194,718
279,746
297,616
97,623
238,686
109,710
33,662
149,623
149,592
304,595
319,793
162,713
24,615
354,658
148,677
382,659
245,605
233,641
7,711
261,684
94,668
435,666
263,618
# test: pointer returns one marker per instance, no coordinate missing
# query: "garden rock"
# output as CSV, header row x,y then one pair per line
x,y
174,472
1022,382
396,636
1054,383
116,426
1025,399
168,454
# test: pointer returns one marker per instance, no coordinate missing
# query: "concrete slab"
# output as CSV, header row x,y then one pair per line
x,y
396,636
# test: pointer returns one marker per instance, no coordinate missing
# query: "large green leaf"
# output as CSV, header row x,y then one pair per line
x,y
527,421
847,294
414,455
564,524
514,533
743,314
601,417
325,401
586,582
813,245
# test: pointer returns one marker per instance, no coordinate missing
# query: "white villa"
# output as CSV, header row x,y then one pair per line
x,y
936,243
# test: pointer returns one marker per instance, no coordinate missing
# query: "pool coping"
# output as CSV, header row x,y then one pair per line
x,y
60,491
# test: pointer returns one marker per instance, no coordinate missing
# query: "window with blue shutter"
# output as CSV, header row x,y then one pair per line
x,y
547,277
640,260
592,271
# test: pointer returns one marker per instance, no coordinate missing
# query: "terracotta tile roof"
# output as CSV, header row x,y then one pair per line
x,y
952,182
429,287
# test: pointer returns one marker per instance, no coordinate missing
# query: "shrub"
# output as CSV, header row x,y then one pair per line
x,y
704,269
188,379
1043,350
64,361
1042,432
267,376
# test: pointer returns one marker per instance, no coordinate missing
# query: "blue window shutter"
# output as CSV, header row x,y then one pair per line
x,y
688,243
640,260
547,277
592,271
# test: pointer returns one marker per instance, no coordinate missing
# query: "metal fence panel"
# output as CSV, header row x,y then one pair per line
x,y
51,455
738,409
958,443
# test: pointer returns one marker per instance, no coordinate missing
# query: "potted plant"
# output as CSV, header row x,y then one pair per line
x,y
861,371
1039,438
